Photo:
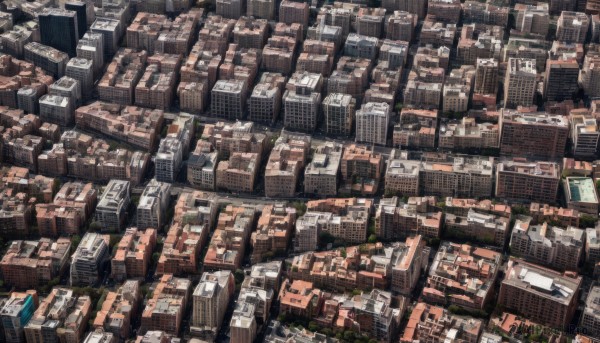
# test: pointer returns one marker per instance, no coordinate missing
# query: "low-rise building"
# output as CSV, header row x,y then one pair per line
x,y
321,174
133,254
228,244
531,290
73,205
119,310
45,324
286,162
580,195
167,307
238,174
273,232
361,169
464,288
29,264
429,322
544,244
417,129
484,227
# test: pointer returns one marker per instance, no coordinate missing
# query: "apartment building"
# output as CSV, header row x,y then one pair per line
x,y
112,207
156,33
165,310
91,48
424,95
533,19
238,174
445,10
228,99
416,7
361,169
437,33
136,126
452,288
156,87
133,254
302,101
89,259
339,112
590,319
395,220
401,26
321,174
209,300
520,82
15,313
294,12
361,46
533,181
230,8
263,9
308,229
118,310
486,76
46,325
369,21
484,227
485,13
185,240
544,244
264,104
402,177
584,134
580,194
372,123
198,208
588,76
417,128
51,60
429,322
533,135
111,30
168,159
153,205
202,169
273,232
286,162
13,41
235,137
228,244
250,33
122,76
572,27
409,260
468,134
29,264
72,206
300,298
531,290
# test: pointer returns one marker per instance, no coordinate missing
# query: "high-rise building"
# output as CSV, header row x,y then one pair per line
x,y
82,70
572,27
59,29
228,99
372,122
112,208
486,76
91,47
153,205
263,9
301,101
321,174
520,82
294,12
81,9
210,301
339,111
533,135
89,260
57,109
232,9
561,80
